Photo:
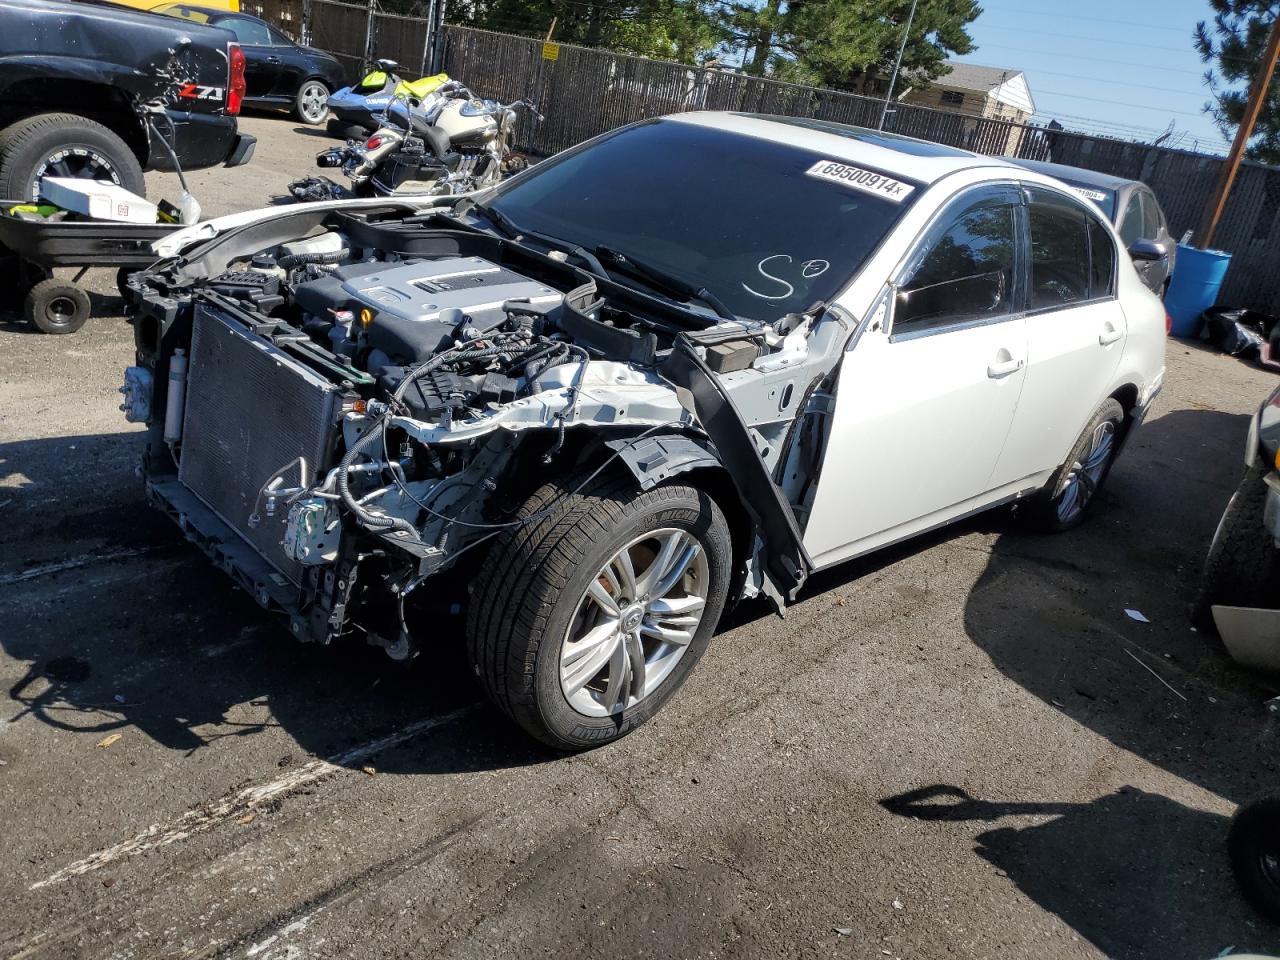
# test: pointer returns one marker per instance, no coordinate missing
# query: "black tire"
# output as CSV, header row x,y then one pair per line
x,y
312,87
528,591
1254,847
343,130
1243,565
1042,510
55,306
28,146
122,279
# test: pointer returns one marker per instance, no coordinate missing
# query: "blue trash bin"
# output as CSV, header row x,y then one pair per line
x,y
1196,283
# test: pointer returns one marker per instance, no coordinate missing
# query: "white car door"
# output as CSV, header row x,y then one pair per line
x,y
926,395
1075,334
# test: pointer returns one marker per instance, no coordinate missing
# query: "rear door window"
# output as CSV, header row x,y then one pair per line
x,y
248,32
1060,273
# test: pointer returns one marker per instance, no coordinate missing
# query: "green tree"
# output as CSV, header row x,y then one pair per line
x,y
850,44
1234,44
682,30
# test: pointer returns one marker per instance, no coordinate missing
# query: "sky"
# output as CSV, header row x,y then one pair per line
x,y
1121,67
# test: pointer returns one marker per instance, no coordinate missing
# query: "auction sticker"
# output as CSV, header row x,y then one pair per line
x,y
859,179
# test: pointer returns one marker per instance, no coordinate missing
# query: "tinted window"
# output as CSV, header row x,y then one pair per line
x,y
1102,259
1059,252
736,214
278,38
248,32
1152,220
1131,225
967,273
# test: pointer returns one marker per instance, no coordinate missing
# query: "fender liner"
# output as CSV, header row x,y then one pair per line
x,y
655,459
785,562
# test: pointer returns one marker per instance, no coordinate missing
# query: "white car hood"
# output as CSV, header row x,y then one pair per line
x,y
180,240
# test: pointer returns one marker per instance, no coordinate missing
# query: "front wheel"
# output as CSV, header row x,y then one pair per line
x,y
586,619
1254,846
1062,503
1243,565
311,104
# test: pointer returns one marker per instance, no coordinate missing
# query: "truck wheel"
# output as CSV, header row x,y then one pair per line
x,y
586,619
55,306
1243,566
63,145
1062,503
310,105
1254,846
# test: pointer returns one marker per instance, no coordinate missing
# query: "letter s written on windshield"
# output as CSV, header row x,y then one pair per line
x,y
781,289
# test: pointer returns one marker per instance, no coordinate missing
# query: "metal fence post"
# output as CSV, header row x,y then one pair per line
x,y
304,32
368,35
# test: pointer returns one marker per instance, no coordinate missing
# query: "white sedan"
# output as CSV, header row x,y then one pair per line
x,y
693,359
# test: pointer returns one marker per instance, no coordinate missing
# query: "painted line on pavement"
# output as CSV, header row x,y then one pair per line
x,y
237,804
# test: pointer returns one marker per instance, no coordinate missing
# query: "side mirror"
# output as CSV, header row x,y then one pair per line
x,y
1148,250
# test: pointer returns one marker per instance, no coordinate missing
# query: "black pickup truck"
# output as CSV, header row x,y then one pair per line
x,y
99,91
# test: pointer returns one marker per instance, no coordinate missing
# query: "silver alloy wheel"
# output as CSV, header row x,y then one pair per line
x,y
1082,479
312,101
631,629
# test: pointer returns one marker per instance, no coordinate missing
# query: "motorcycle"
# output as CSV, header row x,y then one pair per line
x,y
449,142
357,110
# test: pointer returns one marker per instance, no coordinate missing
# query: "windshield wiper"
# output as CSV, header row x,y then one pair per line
x,y
516,232
664,282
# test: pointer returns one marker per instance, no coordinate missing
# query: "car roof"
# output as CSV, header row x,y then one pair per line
x,y
899,156
1080,175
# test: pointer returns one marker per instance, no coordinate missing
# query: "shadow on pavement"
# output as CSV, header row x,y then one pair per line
x,y
121,623
1050,613
1130,871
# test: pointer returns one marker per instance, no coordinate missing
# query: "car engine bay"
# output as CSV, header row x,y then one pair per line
x,y
344,406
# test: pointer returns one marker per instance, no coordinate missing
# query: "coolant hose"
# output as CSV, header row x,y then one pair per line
x,y
367,518
289,261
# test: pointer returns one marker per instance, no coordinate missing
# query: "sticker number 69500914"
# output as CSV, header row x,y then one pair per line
x,y
859,179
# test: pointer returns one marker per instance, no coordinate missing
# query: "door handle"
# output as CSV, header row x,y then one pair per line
x,y
1003,368
1109,335
273,59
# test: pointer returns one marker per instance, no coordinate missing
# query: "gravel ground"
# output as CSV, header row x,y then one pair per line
x,y
947,749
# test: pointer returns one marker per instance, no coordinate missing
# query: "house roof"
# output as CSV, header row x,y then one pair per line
x,y
1003,84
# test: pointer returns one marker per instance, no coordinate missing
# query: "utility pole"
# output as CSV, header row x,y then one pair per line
x,y
1257,97
897,65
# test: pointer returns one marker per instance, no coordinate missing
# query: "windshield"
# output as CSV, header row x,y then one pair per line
x,y
766,227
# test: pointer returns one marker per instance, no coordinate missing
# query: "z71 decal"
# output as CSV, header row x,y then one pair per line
x,y
194,91
859,179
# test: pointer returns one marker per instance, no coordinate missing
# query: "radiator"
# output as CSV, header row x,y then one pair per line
x,y
250,411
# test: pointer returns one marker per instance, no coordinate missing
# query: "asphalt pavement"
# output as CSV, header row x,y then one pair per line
x,y
955,748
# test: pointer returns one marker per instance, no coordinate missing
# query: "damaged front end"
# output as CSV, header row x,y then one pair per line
x,y
347,405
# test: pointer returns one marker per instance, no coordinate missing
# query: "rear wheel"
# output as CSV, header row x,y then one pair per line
x,y
586,620
55,306
63,145
310,105
1254,846
1062,503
